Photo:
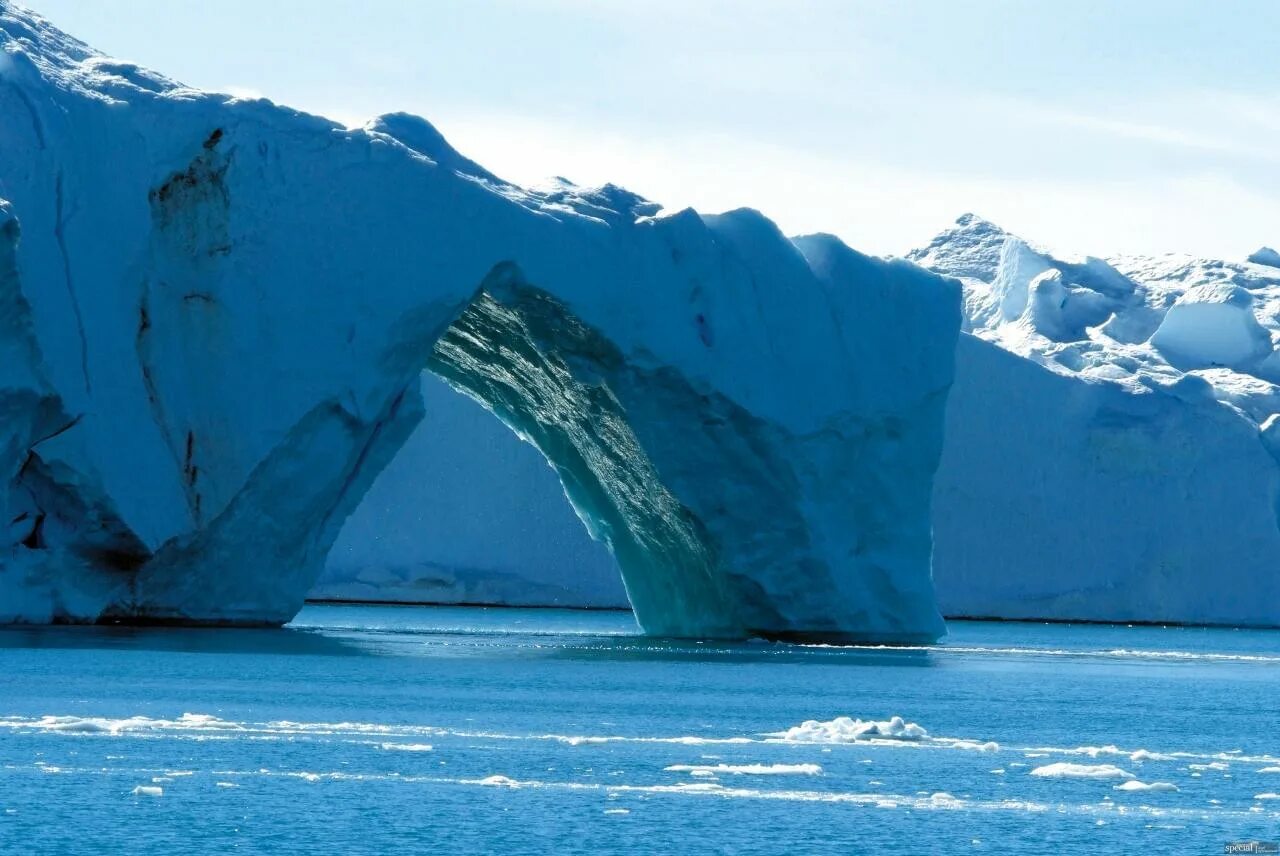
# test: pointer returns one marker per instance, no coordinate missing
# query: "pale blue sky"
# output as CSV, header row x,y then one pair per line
x,y
1137,125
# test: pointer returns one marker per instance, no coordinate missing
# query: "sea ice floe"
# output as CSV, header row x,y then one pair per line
x,y
1267,796
976,745
407,747
844,729
147,791
747,769
499,781
1145,755
1065,770
105,725
1145,787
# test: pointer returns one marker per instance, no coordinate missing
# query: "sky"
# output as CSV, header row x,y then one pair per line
x,y
1088,127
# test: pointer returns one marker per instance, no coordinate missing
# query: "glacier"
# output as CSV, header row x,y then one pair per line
x,y
217,311
1109,454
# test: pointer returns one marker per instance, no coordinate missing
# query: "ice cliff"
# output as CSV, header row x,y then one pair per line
x,y
216,312
1111,452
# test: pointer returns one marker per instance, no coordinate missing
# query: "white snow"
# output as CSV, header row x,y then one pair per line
x,y
147,791
1066,770
221,309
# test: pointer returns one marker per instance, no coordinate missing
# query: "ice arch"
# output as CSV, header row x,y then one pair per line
x,y
230,304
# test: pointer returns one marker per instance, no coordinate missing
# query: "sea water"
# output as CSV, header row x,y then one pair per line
x,y
365,729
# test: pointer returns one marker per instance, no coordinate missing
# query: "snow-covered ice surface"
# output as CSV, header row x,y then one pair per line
x,y
1110,453
521,710
218,310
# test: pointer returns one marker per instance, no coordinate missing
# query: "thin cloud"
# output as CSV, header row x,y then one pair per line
x,y
1161,134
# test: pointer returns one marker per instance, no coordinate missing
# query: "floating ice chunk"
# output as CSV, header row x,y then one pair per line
x,y
407,747
1145,755
1144,787
1270,770
976,745
225,785
696,786
147,791
843,729
1212,765
1270,795
1094,751
747,769
105,725
499,781
617,811
1065,770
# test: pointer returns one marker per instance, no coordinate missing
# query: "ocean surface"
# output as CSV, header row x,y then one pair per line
x,y
363,729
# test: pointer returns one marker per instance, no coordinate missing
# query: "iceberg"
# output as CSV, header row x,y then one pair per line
x,y
1110,449
218,311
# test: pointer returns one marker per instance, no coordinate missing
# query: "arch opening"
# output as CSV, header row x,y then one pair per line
x,y
552,380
